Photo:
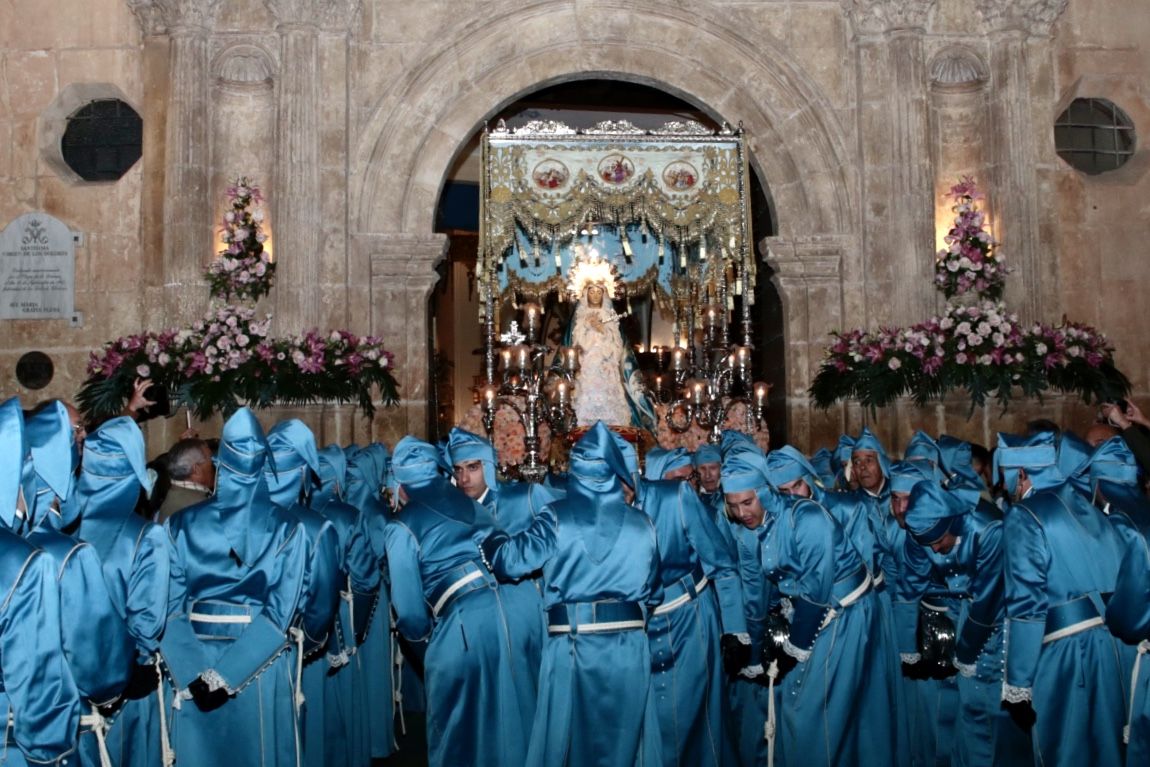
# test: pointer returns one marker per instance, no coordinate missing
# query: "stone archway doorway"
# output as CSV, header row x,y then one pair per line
x,y
456,361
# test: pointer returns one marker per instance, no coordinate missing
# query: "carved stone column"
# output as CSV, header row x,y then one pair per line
x,y
187,211
1018,115
402,277
898,182
808,275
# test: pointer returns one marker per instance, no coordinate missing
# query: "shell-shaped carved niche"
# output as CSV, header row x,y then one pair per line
x,y
958,69
244,67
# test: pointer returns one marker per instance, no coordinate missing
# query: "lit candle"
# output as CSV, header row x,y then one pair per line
x,y
505,358
521,357
531,315
561,393
678,359
761,394
658,384
742,356
571,359
698,392
488,392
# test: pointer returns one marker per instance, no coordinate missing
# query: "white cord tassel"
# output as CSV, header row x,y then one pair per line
x,y
99,725
1143,648
769,729
169,753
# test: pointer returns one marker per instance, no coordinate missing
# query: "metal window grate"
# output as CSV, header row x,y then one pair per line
x,y
102,140
1094,136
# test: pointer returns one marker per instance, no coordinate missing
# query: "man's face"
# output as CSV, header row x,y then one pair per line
x,y
899,503
945,544
797,487
709,476
683,472
745,508
469,478
867,469
205,472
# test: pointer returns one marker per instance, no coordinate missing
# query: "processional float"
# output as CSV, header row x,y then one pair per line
x,y
665,212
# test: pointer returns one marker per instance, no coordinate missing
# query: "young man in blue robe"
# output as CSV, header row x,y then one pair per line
x,y
137,558
1063,670
513,507
100,653
835,709
38,694
232,642
479,700
599,562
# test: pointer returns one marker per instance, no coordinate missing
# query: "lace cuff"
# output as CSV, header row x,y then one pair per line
x,y
967,669
787,609
1012,694
744,638
335,661
800,655
752,672
214,681
910,658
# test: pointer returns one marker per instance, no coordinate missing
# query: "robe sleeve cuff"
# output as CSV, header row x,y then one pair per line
x,y
1012,694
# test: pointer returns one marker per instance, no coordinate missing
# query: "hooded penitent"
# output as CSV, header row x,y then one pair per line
x,y
745,468
706,453
1074,461
1036,455
598,469
294,462
922,447
823,463
54,458
932,512
660,462
463,446
868,441
787,464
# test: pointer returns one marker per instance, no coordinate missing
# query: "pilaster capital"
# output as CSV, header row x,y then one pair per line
x,y
402,260
1033,17
875,17
329,15
157,17
805,259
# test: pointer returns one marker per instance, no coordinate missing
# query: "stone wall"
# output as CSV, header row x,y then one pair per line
x,y
350,113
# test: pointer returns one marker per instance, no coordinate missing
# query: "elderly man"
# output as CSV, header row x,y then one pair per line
x,y
193,476
600,564
479,699
1063,670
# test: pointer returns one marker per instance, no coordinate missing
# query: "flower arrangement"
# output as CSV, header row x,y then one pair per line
x,y
970,262
243,270
227,358
982,349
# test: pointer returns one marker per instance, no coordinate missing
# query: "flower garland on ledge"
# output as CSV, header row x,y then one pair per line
x,y
981,347
227,358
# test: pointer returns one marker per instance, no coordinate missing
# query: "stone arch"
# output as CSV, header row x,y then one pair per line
x,y
418,126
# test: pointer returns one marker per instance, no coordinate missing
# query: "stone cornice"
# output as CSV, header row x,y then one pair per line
x,y
330,15
157,17
1034,17
805,258
402,256
875,17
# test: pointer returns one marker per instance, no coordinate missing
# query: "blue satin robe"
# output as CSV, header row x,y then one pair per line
x,y
36,689
595,703
836,703
100,653
479,699
262,578
687,669
136,556
1128,614
1061,550
346,736
972,574
374,659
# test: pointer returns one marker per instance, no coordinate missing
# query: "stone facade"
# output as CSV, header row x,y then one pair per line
x,y
861,113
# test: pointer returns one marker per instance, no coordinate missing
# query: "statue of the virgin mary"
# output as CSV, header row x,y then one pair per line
x,y
609,386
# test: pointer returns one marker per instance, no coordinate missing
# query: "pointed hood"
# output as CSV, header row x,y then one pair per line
x,y
868,441
958,470
922,447
932,512
1035,454
463,446
787,464
13,452
1114,462
241,499
597,464
745,468
54,455
706,453
415,463
660,461
823,463
1074,462
332,476
842,460
631,461
732,439
294,462
113,472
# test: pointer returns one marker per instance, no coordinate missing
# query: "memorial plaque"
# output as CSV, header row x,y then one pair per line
x,y
37,269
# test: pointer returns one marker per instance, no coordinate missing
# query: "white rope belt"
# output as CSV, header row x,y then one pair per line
x,y
168,753
595,628
446,595
856,595
682,599
99,727
210,618
1072,629
1143,648
770,727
